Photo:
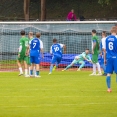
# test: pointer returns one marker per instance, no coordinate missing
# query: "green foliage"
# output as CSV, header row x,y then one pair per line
x,y
61,94
102,2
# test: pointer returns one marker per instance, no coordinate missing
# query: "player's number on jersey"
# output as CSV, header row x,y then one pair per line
x,y
56,49
34,44
110,45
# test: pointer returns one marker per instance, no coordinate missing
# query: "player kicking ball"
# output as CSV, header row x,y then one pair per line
x,y
56,51
110,54
80,59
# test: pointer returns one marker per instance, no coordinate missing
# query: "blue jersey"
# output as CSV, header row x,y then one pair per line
x,y
56,50
111,46
35,47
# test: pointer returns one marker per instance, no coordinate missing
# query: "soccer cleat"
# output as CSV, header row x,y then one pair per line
x,y
27,76
93,74
78,70
63,69
50,73
109,90
99,74
37,76
104,74
20,74
54,68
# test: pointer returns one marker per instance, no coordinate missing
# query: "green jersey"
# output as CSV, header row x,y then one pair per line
x,y
81,56
95,39
24,42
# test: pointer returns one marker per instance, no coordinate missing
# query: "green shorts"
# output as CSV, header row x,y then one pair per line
x,y
24,58
95,58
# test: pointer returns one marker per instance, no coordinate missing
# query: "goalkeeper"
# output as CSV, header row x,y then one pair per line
x,y
80,59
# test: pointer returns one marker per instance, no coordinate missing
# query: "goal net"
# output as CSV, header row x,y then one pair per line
x,y
75,35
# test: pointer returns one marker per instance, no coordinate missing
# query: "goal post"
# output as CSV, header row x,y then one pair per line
x,y
76,35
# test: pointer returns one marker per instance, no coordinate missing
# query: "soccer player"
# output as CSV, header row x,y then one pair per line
x,y
80,59
110,53
35,48
56,51
102,52
22,53
95,52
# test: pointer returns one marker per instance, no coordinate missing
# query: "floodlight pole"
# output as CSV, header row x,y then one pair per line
x,y
43,10
26,9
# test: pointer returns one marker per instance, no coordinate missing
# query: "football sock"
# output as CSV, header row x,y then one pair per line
x,y
31,72
108,81
37,73
26,71
98,66
20,69
81,66
68,67
51,67
94,68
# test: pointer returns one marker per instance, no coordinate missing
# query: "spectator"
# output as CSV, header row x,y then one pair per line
x,y
71,16
82,18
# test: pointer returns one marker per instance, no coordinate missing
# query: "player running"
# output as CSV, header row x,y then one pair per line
x,y
35,48
110,53
22,54
56,51
95,53
80,59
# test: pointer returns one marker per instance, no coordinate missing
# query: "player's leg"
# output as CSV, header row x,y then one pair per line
x,y
94,60
109,72
81,66
70,65
103,66
19,65
26,66
115,67
37,62
54,60
32,65
57,63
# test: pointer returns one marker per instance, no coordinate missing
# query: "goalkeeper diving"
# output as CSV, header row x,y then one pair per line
x,y
80,59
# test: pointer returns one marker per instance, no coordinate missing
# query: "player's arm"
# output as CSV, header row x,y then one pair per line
x,y
104,50
41,48
20,48
64,47
51,50
84,57
94,45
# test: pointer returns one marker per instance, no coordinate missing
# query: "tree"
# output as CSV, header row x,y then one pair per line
x,y
102,2
43,10
26,9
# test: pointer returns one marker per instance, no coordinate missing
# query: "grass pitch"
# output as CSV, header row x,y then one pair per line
x,y
61,94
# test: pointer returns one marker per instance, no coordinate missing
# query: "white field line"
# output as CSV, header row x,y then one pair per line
x,y
54,96
58,104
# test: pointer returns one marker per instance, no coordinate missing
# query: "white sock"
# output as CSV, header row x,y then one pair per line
x,y
29,70
34,71
94,68
21,71
26,72
98,66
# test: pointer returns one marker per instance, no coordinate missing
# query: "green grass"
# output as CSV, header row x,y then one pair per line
x,y
62,94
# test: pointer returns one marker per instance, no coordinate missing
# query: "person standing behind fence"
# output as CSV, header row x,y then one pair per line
x,y
71,16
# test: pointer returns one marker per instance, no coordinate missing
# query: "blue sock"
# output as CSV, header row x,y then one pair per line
x,y
51,67
37,73
68,67
31,72
108,81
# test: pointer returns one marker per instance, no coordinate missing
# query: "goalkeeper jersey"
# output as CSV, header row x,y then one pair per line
x,y
24,42
81,56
